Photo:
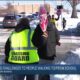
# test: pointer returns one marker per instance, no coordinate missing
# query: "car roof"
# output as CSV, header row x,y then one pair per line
x,y
10,17
10,14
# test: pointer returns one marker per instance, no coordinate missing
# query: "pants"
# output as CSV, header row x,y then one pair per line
x,y
17,77
45,76
21,77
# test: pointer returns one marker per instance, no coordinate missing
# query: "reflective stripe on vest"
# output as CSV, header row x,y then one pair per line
x,y
22,50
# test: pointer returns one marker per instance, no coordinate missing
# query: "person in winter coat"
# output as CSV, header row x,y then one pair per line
x,y
53,20
45,38
20,43
64,23
46,45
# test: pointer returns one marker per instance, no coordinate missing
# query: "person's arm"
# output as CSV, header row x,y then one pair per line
x,y
57,18
35,37
7,49
38,38
57,37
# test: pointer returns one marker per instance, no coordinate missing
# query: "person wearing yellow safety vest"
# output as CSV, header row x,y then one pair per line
x,y
19,48
53,20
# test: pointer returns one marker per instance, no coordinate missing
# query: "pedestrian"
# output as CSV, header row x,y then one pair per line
x,y
45,38
19,48
49,18
64,23
53,19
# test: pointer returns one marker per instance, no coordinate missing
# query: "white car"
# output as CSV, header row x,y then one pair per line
x,y
34,23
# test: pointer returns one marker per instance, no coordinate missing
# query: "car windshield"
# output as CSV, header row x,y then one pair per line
x,y
10,17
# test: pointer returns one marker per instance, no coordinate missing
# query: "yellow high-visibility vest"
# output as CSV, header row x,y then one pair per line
x,y
53,21
22,50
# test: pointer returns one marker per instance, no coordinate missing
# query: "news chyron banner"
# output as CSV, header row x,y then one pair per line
x,y
39,69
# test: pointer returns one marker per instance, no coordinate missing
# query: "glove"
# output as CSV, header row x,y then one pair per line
x,y
58,43
45,34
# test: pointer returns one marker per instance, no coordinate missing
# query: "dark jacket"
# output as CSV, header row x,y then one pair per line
x,y
7,45
64,23
46,47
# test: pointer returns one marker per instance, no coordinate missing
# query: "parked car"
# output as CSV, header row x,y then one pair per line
x,y
35,16
30,17
34,23
10,21
78,29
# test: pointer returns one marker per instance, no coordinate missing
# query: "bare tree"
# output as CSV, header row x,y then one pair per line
x,y
73,4
47,6
11,9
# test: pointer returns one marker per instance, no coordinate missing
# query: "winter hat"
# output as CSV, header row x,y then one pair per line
x,y
42,10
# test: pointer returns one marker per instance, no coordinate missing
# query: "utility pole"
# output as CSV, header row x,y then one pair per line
x,y
13,8
32,8
44,1
24,6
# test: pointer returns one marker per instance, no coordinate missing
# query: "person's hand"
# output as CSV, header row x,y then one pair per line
x,y
58,43
45,34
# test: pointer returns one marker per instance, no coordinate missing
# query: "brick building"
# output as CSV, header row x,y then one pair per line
x,y
29,8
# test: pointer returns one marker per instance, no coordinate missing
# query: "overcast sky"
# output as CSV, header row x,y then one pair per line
x,y
54,3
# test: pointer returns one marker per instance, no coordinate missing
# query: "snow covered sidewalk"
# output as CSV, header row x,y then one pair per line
x,y
65,77
71,57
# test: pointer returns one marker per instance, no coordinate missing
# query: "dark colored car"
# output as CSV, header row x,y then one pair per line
x,y
9,21
35,16
78,29
30,17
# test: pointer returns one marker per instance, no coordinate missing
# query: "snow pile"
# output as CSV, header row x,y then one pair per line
x,y
1,19
65,77
72,57
77,51
70,22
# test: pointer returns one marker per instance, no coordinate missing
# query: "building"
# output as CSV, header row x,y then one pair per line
x,y
27,8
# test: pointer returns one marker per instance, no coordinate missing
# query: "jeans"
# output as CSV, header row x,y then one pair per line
x,y
44,77
17,77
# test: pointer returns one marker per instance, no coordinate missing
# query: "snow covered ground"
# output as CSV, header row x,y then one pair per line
x,y
65,77
70,22
72,57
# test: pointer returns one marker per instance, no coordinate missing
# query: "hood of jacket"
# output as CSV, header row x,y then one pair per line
x,y
21,28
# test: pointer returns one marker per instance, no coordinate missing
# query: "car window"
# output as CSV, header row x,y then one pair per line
x,y
10,17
